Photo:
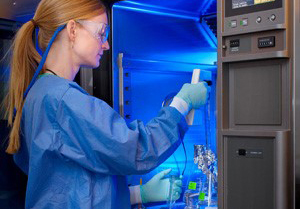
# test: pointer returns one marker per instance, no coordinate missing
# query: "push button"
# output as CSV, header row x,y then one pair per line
x,y
244,22
233,23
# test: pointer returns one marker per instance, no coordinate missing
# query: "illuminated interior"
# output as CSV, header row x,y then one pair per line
x,y
162,42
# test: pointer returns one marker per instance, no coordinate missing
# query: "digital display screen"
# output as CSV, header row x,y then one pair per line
x,y
245,3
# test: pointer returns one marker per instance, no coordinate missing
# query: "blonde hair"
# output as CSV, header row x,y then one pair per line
x,y
50,14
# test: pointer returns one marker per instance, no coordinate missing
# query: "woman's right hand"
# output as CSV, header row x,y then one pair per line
x,y
195,95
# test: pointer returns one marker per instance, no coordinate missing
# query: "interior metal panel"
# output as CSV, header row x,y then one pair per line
x,y
161,36
192,7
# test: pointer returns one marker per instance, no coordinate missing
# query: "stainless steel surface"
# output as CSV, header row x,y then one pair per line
x,y
295,116
220,101
236,58
251,30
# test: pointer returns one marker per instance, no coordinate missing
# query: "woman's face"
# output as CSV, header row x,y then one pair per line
x,y
90,41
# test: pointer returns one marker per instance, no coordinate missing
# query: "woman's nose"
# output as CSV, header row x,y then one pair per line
x,y
105,45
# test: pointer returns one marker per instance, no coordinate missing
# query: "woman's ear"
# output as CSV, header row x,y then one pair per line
x,y
71,29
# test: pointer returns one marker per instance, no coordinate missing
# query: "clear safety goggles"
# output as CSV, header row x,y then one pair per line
x,y
99,30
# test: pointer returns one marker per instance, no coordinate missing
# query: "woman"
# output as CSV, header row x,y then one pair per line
x,y
75,149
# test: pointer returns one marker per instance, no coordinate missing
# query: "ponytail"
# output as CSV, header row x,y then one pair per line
x,y
23,64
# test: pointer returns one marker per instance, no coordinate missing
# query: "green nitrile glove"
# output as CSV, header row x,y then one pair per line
x,y
195,95
157,188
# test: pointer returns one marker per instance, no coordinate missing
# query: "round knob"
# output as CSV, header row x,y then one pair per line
x,y
258,19
273,17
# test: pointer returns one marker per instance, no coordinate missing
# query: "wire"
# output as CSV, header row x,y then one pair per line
x,y
185,157
167,101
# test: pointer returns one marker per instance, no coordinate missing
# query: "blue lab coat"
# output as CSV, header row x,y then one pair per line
x,y
77,151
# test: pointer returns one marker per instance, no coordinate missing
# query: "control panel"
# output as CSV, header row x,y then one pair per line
x,y
255,20
244,21
241,15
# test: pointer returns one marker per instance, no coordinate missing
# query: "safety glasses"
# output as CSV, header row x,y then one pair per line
x,y
99,30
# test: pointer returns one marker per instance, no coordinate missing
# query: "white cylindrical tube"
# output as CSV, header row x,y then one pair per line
x,y
195,79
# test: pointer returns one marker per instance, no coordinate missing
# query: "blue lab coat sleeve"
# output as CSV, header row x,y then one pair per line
x,y
96,137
